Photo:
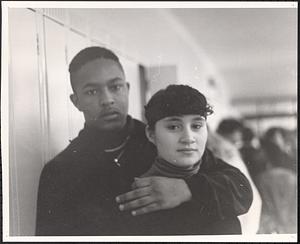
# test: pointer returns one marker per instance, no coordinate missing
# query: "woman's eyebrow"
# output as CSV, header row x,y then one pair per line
x,y
173,119
200,118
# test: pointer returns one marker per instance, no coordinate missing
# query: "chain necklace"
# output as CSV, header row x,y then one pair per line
x,y
123,144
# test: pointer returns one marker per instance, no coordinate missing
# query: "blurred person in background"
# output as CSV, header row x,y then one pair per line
x,y
291,146
252,153
227,151
280,148
232,130
278,185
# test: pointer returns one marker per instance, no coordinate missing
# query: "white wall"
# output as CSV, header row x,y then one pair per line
x,y
42,118
156,39
25,131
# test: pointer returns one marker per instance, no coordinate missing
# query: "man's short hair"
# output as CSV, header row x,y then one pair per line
x,y
176,100
89,54
229,126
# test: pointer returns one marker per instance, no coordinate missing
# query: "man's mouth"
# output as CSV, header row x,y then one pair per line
x,y
109,115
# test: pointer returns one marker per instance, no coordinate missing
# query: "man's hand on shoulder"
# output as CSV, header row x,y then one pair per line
x,y
154,193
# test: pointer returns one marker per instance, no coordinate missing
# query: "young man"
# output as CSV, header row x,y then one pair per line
x,y
177,127
81,189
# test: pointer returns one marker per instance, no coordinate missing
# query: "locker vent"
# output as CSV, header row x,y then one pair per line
x,y
58,14
78,23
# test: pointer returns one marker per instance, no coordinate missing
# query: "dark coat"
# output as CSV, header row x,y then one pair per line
x,y
78,187
190,218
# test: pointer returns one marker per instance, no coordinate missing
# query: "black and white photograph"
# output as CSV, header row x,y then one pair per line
x,y
149,121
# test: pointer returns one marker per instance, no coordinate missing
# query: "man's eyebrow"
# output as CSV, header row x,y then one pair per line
x,y
116,79
95,84
90,84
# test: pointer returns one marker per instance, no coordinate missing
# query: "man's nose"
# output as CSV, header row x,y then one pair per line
x,y
187,136
106,98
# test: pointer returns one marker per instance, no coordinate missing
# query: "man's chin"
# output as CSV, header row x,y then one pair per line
x,y
110,126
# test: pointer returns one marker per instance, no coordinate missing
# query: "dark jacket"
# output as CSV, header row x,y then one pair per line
x,y
189,218
78,187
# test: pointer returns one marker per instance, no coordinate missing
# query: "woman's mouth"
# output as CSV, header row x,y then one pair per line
x,y
187,150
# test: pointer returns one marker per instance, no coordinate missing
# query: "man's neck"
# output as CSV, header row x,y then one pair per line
x,y
112,138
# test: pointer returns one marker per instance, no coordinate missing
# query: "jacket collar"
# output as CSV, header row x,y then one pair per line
x,y
97,141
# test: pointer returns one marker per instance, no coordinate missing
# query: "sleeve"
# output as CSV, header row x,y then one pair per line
x,y
51,209
223,189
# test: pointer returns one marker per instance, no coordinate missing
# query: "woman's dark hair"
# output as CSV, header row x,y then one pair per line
x,y
176,100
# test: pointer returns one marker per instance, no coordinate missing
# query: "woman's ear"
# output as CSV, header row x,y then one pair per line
x,y
150,134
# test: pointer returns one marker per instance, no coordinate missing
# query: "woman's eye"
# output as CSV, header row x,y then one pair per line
x,y
197,126
173,127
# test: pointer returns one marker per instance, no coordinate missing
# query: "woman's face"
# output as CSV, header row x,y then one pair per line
x,y
180,140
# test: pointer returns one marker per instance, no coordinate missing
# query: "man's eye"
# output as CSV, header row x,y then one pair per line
x,y
116,87
91,92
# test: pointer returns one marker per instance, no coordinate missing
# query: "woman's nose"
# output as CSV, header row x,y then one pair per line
x,y
187,137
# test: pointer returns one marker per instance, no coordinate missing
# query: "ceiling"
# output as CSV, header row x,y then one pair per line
x,y
254,49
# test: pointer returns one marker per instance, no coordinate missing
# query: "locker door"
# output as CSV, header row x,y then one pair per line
x,y
57,84
25,131
75,43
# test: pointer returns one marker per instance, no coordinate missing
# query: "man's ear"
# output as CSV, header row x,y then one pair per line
x,y
128,85
150,134
74,100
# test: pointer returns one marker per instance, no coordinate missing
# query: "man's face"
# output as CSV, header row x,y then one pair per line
x,y
180,140
101,93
